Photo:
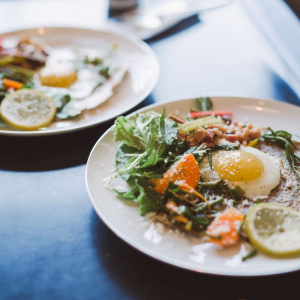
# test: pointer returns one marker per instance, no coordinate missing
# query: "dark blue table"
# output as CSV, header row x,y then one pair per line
x,y
53,245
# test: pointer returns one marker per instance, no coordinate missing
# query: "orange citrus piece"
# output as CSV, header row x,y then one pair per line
x,y
226,226
186,170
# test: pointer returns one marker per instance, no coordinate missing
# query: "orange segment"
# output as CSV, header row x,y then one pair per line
x,y
226,226
186,170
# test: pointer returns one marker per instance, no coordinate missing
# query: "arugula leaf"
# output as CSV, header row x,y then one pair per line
x,y
68,111
148,130
126,131
168,129
63,102
121,158
131,195
152,160
148,199
95,61
104,71
204,103
152,175
149,136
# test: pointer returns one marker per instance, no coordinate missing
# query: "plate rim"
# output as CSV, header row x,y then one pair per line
x,y
127,36
149,252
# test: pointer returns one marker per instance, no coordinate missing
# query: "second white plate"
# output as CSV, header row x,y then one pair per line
x,y
137,84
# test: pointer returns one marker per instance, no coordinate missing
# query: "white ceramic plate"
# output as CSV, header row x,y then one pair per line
x,y
137,84
182,250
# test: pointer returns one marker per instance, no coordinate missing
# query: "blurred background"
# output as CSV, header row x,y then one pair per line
x,y
253,42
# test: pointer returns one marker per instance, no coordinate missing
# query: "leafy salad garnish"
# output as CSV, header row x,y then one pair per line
x,y
147,145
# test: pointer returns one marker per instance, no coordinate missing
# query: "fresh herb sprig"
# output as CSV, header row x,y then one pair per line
x,y
250,254
204,103
284,139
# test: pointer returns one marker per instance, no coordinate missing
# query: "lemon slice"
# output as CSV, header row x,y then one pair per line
x,y
27,109
274,229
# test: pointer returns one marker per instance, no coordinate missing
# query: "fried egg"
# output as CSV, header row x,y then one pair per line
x,y
88,88
256,172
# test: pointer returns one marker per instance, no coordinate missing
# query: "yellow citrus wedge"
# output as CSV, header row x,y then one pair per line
x,y
27,109
274,229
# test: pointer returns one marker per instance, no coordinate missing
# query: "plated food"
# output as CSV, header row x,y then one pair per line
x,y
89,76
202,188
68,78
202,173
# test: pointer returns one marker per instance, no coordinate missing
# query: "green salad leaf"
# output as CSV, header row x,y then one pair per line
x,y
148,199
146,141
169,130
204,103
126,131
130,195
63,102
68,111
61,99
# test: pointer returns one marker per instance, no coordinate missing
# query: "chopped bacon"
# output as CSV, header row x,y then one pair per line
x,y
192,141
207,145
250,126
245,133
221,127
213,126
255,133
209,135
200,134
231,138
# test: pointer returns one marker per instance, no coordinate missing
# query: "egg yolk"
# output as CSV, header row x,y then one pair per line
x,y
238,166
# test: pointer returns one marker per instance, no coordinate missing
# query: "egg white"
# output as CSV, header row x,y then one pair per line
x,y
83,91
261,186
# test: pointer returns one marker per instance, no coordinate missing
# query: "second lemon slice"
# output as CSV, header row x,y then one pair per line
x,y
274,229
27,109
